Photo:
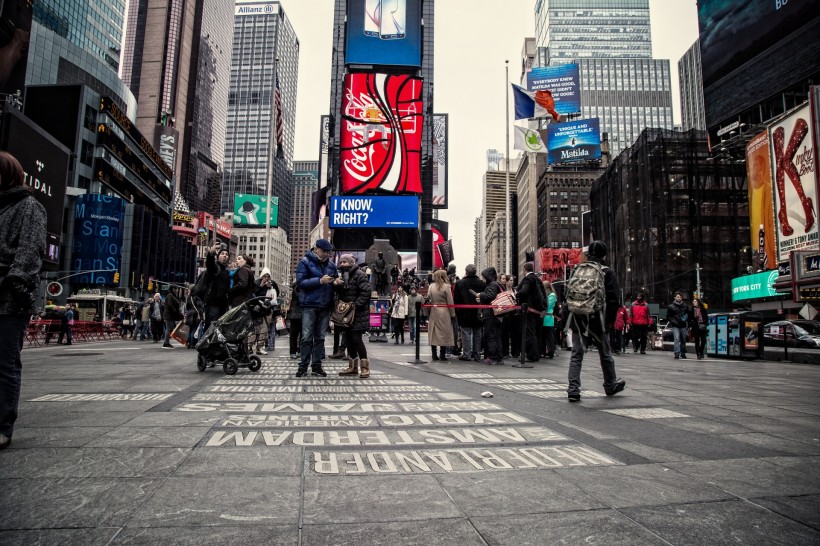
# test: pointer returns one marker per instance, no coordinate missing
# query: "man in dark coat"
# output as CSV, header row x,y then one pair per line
x,y
677,313
531,291
217,283
170,314
468,319
314,275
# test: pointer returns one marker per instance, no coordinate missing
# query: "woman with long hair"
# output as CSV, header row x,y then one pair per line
x,y
440,323
243,281
548,328
700,327
352,286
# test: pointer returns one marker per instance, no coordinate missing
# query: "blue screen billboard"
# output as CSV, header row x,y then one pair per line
x,y
374,211
384,32
573,141
98,233
562,81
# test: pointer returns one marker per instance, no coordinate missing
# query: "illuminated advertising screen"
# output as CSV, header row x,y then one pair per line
x,y
324,151
98,234
383,32
562,81
573,141
374,211
761,208
795,183
440,158
380,148
251,210
750,287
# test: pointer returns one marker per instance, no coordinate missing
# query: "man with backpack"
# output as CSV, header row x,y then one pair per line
x,y
592,301
531,291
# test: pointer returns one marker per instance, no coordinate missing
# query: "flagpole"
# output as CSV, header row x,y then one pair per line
x,y
507,267
271,160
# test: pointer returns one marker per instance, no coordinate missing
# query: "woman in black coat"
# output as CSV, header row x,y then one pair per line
x,y
243,282
352,286
699,326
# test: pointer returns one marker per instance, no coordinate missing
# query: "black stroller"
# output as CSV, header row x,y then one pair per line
x,y
226,339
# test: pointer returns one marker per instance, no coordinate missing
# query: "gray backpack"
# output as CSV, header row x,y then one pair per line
x,y
585,289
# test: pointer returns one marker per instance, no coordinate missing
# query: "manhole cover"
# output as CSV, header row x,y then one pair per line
x,y
76,354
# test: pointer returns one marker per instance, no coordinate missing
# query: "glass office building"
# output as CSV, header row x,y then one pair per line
x,y
611,42
260,38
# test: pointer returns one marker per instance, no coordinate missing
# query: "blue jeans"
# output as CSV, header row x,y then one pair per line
x,y
412,322
314,329
680,335
12,331
471,342
145,329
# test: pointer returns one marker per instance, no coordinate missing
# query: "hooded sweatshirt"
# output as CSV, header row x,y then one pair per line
x,y
493,289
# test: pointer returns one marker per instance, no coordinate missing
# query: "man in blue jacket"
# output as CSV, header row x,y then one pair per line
x,y
314,275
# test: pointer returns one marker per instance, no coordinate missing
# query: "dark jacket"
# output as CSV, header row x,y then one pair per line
x,y
218,282
309,271
243,286
704,316
678,315
22,246
531,292
356,289
492,289
193,311
171,311
153,310
468,317
294,307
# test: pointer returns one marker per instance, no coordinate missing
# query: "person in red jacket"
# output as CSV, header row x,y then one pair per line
x,y
640,324
619,329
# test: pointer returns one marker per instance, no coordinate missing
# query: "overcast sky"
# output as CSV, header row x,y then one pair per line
x,y
473,38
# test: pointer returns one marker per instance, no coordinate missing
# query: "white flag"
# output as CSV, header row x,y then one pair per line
x,y
528,140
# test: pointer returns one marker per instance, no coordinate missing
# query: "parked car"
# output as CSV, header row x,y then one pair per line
x,y
796,333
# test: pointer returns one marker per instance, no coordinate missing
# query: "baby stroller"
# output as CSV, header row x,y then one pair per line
x,y
226,339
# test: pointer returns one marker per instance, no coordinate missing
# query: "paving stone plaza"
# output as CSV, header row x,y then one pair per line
x,y
123,442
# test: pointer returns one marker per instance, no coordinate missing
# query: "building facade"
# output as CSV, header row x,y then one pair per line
x,y
265,51
691,89
253,242
526,182
305,184
562,197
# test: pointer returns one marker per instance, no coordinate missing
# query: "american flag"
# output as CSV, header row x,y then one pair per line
x,y
280,133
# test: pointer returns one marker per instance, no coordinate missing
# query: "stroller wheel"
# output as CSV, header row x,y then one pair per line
x,y
254,363
230,366
201,363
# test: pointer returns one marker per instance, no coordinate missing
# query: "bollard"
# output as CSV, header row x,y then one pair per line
x,y
522,360
418,337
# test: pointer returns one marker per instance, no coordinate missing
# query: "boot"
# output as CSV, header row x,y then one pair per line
x,y
364,364
435,355
316,369
352,367
443,353
338,355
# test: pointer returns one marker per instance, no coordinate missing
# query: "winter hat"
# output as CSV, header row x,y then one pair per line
x,y
265,271
324,244
597,249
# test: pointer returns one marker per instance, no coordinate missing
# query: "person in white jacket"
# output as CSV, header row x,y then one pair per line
x,y
399,313
266,327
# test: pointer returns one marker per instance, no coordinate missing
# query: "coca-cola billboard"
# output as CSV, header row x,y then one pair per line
x,y
380,147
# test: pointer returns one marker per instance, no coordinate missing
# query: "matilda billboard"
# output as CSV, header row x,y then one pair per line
x,y
573,141
383,32
380,148
560,80
761,209
795,180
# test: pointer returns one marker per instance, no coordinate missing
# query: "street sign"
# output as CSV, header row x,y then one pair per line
x,y
54,289
808,312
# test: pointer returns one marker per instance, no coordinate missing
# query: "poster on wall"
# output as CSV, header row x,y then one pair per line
x,y
440,161
380,148
761,209
795,183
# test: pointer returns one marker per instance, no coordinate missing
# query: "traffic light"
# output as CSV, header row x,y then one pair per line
x,y
116,277
150,284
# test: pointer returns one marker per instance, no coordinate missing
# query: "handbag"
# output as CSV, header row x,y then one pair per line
x,y
503,303
343,314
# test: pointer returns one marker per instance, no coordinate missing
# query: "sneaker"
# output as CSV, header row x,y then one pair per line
x,y
574,397
294,356
683,356
465,358
261,351
643,352
676,357
620,385
301,373
319,371
167,346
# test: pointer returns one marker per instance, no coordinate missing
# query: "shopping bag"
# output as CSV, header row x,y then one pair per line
x,y
280,323
504,302
180,333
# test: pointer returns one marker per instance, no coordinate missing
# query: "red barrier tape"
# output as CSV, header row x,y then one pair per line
x,y
476,306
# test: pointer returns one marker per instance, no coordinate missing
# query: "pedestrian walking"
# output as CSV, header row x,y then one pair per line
x,y
353,286
66,325
491,322
399,314
137,320
156,315
294,318
677,313
216,283
641,319
314,275
146,319
531,292
548,323
592,300
413,299
22,246
171,314
193,316
469,320
440,322
265,327
700,319
619,329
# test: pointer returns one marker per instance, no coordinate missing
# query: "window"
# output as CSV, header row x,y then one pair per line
x,y
87,153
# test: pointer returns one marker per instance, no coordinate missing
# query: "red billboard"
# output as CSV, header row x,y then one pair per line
x,y
380,147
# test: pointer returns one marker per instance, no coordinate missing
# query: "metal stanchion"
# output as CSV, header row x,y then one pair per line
x,y
522,360
418,337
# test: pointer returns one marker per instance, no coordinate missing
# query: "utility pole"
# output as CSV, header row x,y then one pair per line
x,y
508,267
697,281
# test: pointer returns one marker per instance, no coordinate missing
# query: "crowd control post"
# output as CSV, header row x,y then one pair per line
x,y
417,328
522,361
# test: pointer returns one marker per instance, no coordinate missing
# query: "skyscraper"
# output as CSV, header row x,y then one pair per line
x,y
691,89
177,62
265,51
305,183
620,82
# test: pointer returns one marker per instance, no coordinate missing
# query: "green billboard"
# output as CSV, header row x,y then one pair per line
x,y
250,210
755,286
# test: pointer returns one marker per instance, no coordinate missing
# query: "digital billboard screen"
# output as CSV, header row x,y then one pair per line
x,y
562,81
99,221
251,210
374,211
440,161
380,142
761,209
383,32
573,141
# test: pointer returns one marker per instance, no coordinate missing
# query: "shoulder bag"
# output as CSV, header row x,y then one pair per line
x,y
343,314
503,303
